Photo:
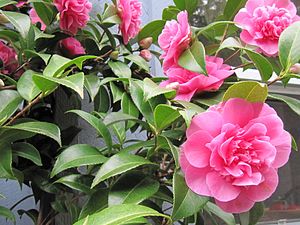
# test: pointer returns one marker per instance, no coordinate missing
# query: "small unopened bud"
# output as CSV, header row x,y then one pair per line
x,y
114,55
146,43
295,68
2,83
174,85
3,19
146,54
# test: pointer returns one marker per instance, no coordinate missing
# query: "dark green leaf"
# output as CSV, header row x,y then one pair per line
x,y
118,164
293,103
27,151
152,29
228,218
26,87
92,85
7,214
10,101
46,12
77,182
170,13
189,5
232,7
164,116
129,108
76,156
102,100
138,60
6,161
120,69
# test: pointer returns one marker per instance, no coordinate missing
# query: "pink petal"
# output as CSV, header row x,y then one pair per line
x,y
239,205
246,180
283,145
221,189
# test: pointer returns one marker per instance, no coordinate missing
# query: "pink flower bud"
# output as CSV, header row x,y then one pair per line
x,y
71,47
174,85
146,54
146,43
295,68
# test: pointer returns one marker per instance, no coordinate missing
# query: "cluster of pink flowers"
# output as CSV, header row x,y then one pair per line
x,y
175,38
129,12
9,60
233,156
263,21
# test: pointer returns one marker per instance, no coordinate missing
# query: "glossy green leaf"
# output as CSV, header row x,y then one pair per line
x,y
129,108
92,85
76,156
151,90
170,13
6,161
6,2
26,87
97,124
213,26
164,116
77,182
31,213
116,92
27,151
7,214
232,7
102,100
132,188
189,5
138,60
46,12
186,202
19,20
228,218
10,101
152,29
43,128
121,214
9,35
251,91
110,15
293,103
118,164
253,216
289,49
120,69
30,54
117,117
174,150
193,58
49,84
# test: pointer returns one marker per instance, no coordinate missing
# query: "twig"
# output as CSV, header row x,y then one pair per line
x,y
23,111
223,37
243,65
233,55
274,81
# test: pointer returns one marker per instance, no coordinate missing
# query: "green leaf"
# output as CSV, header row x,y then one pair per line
x,y
77,182
26,87
46,12
6,2
193,59
256,213
294,144
7,214
164,116
92,85
43,128
186,202
120,69
19,20
43,56
10,35
27,151
251,91
95,203
116,92
102,100
129,108
49,84
151,90
97,124
213,26
110,15
293,103
170,13
138,60
10,101
174,150
76,156
132,188
232,7
31,213
6,160
189,5
152,29
121,214
289,49
117,117
118,164
228,218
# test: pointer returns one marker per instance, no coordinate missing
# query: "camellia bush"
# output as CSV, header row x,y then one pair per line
x,y
191,145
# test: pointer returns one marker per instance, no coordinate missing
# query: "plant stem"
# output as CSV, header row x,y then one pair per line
x,y
243,65
223,37
233,55
23,199
10,87
274,81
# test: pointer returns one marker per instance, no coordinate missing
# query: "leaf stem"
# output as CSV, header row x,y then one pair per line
x,y
231,56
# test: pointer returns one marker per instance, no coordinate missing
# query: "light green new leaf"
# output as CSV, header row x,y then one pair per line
x,y
289,48
26,87
10,101
19,20
92,85
152,29
118,164
76,156
138,60
164,116
132,188
251,91
6,161
121,214
186,202
7,214
120,69
27,151
97,124
193,58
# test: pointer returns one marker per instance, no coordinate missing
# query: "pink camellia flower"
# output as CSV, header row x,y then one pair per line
x,y
232,153
189,83
71,47
174,39
35,18
8,57
263,21
74,14
130,12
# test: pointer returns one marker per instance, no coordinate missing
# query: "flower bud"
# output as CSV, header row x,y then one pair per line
x,y
146,54
114,55
2,83
295,68
174,85
146,43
